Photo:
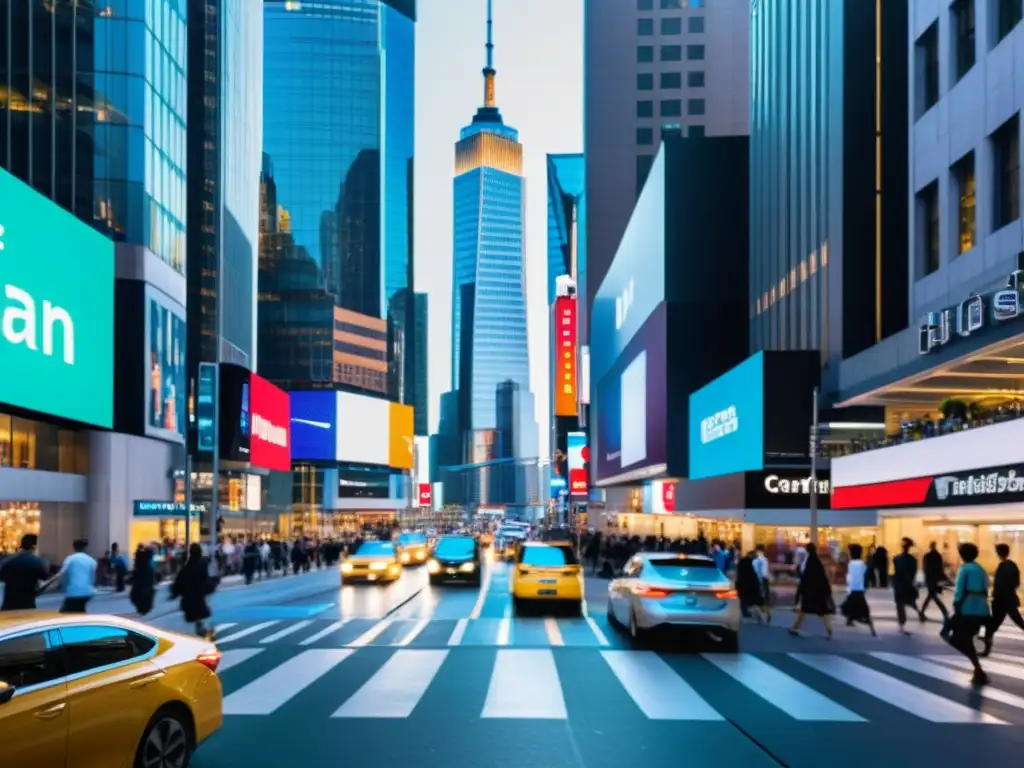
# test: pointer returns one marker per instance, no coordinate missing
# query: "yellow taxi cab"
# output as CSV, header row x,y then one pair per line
x,y
373,561
412,547
486,538
78,691
547,571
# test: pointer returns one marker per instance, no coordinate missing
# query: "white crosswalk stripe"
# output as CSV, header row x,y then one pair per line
x,y
236,656
525,686
947,675
656,689
246,632
330,629
397,687
268,693
286,631
992,667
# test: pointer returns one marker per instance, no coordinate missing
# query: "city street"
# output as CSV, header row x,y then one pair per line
x,y
410,674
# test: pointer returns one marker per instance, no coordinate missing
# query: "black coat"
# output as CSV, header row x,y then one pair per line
x,y
21,574
143,582
191,585
815,592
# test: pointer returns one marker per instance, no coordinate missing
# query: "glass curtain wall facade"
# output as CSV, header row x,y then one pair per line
x,y
421,379
225,95
566,187
338,138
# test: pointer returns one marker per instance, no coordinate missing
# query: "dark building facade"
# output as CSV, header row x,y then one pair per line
x,y
421,367
338,135
828,193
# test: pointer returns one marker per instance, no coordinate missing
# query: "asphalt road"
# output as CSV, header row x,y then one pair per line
x,y
325,675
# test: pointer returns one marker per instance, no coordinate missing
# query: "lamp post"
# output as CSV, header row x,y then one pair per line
x,y
814,469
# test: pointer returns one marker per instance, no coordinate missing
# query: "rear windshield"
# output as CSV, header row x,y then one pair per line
x,y
455,546
543,557
512,533
685,569
376,548
412,539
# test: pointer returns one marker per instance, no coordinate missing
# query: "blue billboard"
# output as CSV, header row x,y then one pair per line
x,y
314,421
727,422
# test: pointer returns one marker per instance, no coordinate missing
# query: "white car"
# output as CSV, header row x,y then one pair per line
x,y
667,590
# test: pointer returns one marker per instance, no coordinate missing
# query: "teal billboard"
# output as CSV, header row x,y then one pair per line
x,y
57,305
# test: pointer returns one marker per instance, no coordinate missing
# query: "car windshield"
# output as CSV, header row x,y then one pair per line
x,y
685,569
455,547
512,533
376,549
412,539
548,557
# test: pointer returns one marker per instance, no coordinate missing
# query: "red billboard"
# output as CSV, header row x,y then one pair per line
x,y
425,497
270,444
668,496
565,362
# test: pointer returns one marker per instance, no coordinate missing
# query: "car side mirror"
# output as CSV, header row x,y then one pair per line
x,y
6,692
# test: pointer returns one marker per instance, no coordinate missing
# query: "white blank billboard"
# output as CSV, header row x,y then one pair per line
x,y
363,425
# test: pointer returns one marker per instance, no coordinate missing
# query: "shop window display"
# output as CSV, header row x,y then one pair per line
x,y
16,520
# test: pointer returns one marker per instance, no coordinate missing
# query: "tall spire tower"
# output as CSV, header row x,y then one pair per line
x,y
489,71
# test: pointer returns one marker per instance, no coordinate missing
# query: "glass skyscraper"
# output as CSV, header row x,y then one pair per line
x,y
338,106
489,337
567,229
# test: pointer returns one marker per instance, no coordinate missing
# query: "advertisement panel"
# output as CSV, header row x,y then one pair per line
x,y
565,368
727,422
577,456
205,396
57,342
668,497
631,408
270,409
165,378
235,413
313,420
362,429
990,485
401,442
785,488
424,494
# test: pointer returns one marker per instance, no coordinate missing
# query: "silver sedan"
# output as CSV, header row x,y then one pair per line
x,y
661,590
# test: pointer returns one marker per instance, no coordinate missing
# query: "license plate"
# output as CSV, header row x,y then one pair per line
x,y
547,581
371,577
451,570
547,592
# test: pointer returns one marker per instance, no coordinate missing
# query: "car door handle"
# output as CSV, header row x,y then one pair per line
x,y
51,712
143,682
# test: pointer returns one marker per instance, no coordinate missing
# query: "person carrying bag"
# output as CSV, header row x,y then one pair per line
x,y
970,609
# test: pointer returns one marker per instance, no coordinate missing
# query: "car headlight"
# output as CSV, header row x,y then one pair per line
x,y
346,567
378,566
433,566
405,557
393,568
467,567
421,555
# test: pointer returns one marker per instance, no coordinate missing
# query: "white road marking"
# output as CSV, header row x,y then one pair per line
x,y
460,630
485,587
396,688
418,627
225,627
799,701
286,631
602,639
508,611
553,632
525,686
893,691
246,632
1007,658
235,656
371,634
504,630
266,694
993,667
947,675
656,689
330,629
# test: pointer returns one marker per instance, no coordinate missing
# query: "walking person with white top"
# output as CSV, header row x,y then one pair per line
x,y
77,578
764,575
855,607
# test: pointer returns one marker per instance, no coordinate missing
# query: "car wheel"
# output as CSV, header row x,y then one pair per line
x,y
636,633
167,742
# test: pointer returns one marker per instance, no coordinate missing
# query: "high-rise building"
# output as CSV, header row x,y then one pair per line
x,y
338,134
567,232
489,338
224,140
420,365
653,67
828,191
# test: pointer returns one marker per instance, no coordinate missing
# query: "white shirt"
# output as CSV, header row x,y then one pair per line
x,y
855,575
78,575
761,567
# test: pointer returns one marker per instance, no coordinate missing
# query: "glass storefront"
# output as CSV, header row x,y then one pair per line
x,y
17,519
30,444
949,533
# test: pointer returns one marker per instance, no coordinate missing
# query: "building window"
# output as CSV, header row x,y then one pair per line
x,y
695,79
644,136
963,175
1006,176
696,132
929,206
695,25
671,5
695,52
672,25
1008,16
928,47
644,54
645,81
643,167
671,129
671,80
645,109
645,27
963,29
671,107
645,5
695,106
671,53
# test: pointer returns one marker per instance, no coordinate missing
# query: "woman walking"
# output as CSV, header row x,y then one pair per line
x,y
143,581
748,587
814,593
970,609
855,607
192,584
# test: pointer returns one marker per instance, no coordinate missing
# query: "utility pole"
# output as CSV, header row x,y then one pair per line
x,y
188,496
814,469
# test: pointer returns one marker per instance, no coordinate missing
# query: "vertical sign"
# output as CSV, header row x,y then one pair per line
x,y
576,445
565,376
668,496
207,389
424,489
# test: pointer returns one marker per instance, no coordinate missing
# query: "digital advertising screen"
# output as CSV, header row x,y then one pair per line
x,y
631,407
235,423
166,390
313,417
57,345
401,441
727,422
565,369
363,429
577,456
270,414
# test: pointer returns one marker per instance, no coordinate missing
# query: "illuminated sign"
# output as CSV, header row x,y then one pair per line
x,y
969,316
425,497
565,376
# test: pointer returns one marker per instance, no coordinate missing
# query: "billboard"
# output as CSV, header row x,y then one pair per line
x,y
401,441
57,344
566,363
577,456
424,494
270,411
206,407
165,377
235,423
632,409
313,420
362,429
727,422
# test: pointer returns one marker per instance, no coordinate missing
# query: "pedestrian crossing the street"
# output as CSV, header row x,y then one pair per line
x,y
556,684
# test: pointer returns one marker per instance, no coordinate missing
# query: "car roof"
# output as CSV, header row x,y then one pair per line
x,y
19,621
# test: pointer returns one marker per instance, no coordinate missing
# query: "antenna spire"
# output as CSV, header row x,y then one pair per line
x,y
489,71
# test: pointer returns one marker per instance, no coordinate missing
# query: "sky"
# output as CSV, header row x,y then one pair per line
x,y
538,55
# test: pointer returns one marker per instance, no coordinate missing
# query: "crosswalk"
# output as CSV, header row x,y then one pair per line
x,y
557,684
